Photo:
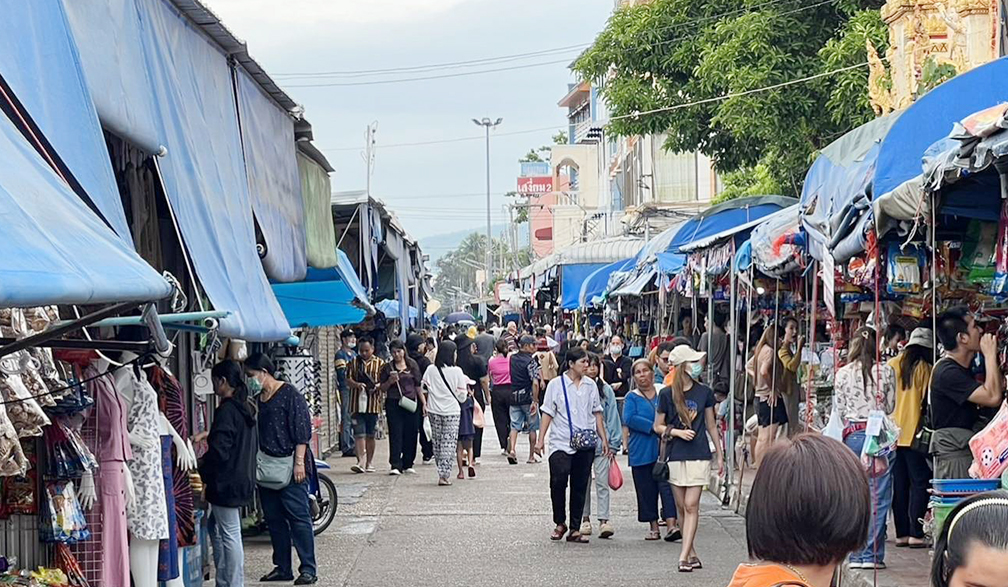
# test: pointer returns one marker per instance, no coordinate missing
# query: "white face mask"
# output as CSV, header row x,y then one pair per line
x,y
615,349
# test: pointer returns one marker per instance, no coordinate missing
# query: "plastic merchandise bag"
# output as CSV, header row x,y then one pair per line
x,y
881,436
63,518
903,268
990,447
834,427
615,475
24,412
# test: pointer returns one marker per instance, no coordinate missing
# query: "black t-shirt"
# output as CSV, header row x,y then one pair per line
x,y
619,371
520,378
951,386
698,399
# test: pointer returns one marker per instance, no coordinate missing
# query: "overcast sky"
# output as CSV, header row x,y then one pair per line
x,y
433,188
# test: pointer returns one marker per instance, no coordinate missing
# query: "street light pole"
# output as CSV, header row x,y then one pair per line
x,y
487,124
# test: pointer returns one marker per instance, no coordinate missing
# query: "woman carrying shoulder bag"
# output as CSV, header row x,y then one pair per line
x,y
400,382
284,433
447,387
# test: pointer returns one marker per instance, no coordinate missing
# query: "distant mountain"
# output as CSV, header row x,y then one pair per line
x,y
441,244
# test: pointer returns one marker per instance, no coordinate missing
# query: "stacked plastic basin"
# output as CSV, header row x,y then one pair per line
x,y
947,493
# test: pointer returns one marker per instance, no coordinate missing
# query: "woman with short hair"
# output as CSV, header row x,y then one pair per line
x,y
800,541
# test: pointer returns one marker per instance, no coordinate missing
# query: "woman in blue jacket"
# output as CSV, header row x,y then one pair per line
x,y
639,416
613,428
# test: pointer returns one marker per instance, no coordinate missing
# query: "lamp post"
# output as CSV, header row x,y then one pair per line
x,y
487,124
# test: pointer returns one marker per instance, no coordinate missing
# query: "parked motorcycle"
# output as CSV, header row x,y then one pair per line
x,y
322,503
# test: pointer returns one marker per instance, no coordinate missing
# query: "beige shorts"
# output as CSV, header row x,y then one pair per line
x,y
689,473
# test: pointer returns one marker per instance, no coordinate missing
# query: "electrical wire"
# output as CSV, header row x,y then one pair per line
x,y
428,77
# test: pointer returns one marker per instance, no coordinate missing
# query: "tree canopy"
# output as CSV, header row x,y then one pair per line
x,y
683,56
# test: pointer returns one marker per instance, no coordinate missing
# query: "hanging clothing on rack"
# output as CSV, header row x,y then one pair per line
x,y
172,405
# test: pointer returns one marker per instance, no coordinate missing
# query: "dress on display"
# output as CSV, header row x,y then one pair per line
x,y
171,404
113,452
147,519
168,567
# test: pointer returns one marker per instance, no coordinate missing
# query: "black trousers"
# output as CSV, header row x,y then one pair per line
x,y
648,491
574,470
911,476
403,427
500,397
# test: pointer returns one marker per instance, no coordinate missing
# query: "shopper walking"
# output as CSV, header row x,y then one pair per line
x,y
639,412
346,354
862,386
284,433
400,384
363,376
228,470
475,368
973,545
767,374
447,388
500,393
416,349
524,407
602,462
572,406
800,540
685,420
911,471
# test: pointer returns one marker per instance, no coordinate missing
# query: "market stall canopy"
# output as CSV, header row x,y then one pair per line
x,y
726,216
267,140
600,252
777,244
316,191
595,284
636,286
742,230
572,277
878,157
167,69
39,62
327,297
55,250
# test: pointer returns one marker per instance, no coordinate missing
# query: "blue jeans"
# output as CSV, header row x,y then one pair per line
x,y
224,527
881,490
346,423
288,519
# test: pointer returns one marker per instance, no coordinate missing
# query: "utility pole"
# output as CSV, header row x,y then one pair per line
x,y
369,152
487,124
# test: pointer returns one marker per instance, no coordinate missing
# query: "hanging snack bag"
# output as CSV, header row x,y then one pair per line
x,y
24,412
903,269
990,447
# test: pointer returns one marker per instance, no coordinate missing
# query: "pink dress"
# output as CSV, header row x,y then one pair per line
x,y
113,453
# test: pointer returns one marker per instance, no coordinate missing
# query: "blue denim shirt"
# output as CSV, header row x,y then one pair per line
x,y
639,416
611,419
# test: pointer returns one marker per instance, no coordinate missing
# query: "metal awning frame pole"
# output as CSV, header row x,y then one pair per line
x,y
733,341
65,327
164,318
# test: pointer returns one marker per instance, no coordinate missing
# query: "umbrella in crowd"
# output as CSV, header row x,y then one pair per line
x,y
455,317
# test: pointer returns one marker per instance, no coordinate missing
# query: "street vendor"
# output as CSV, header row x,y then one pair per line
x,y
956,397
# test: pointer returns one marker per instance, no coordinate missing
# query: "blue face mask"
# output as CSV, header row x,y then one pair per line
x,y
696,370
253,385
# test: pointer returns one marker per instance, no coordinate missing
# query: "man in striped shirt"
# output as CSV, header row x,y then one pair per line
x,y
363,374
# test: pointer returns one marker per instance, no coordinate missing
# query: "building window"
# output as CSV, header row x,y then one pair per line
x,y
675,175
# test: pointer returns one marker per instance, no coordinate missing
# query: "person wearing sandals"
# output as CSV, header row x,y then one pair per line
x,y
610,416
685,420
801,540
400,383
639,416
571,412
447,388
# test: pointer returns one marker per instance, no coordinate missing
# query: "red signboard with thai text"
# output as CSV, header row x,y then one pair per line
x,y
535,185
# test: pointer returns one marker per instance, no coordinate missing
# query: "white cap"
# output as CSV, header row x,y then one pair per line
x,y
684,354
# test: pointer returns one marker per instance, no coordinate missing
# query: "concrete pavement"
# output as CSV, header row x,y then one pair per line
x,y
493,531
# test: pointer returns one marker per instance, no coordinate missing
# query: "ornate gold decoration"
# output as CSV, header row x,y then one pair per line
x,y
878,93
957,47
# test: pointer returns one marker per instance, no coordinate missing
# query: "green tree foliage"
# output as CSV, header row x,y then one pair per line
x,y
751,181
456,271
934,74
666,53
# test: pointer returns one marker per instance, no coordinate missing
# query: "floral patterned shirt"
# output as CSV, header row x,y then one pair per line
x,y
855,396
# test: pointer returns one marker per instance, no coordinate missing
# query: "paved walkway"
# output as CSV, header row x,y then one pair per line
x,y
493,531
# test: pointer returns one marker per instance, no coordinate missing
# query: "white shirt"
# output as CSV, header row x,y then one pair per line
x,y
442,400
584,404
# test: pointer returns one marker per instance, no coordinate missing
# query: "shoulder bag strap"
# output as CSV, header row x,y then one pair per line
x,y
570,424
448,385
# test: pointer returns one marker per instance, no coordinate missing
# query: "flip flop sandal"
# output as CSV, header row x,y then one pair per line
x,y
695,563
558,533
918,545
685,567
472,472
653,536
512,459
577,538
673,535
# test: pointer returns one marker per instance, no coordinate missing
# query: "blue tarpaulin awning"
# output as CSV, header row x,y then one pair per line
x,y
40,63
184,81
717,219
571,278
595,284
327,297
881,155
391,309
54,249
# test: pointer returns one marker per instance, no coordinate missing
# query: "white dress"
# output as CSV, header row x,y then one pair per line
x,y
147,517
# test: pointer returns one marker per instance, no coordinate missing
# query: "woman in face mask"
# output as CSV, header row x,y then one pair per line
x,y
284,433
685,419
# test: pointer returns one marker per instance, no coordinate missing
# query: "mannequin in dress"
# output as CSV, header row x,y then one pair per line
x,y
113,452
147,518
